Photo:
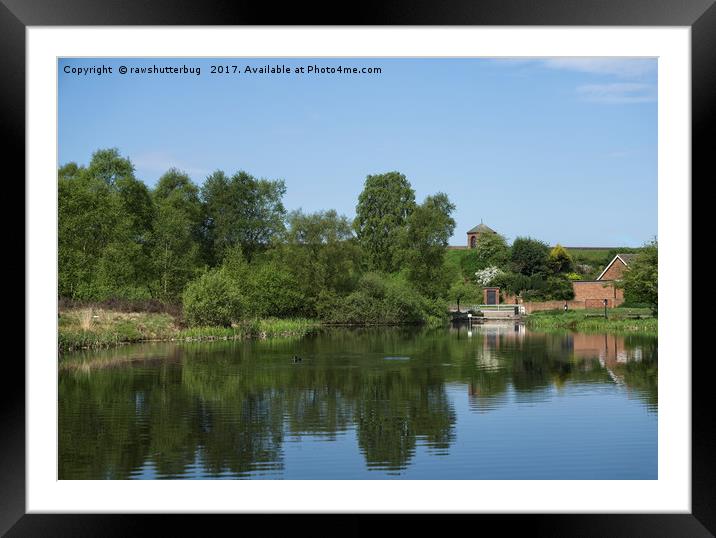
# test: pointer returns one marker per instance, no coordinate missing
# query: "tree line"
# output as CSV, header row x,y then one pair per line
x,y
229,249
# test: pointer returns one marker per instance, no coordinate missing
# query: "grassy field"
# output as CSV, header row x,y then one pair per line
x,y
619,320
88,328
598,258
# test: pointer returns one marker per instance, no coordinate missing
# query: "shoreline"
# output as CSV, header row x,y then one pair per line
x,y
96,329
618,321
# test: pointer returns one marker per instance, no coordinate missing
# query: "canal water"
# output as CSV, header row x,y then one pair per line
x,y
495,401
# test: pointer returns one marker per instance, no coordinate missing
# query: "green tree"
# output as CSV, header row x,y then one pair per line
x,y
105,221
109,166
529,256
242,210
125,268
69,171
491,251
267,286
428,230
384,205
271,290
322,255
641,278
87,215
461,291
176,234
560,261
212,300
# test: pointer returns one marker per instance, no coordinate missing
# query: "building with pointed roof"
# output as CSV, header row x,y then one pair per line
x,y
615,269
474,234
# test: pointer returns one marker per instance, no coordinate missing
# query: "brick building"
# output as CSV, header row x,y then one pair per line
x,y
592,293
474,234
615,269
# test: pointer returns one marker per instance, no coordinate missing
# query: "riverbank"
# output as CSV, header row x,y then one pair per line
x,y
89,328
618,320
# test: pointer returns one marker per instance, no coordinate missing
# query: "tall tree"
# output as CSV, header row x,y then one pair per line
x,y
323,248
243,211
105,219
87,216
429,228
176,234
125,268
529,256
384,205
109,166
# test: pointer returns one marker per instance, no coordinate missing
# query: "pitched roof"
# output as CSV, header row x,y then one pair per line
x,y
481,228
625,259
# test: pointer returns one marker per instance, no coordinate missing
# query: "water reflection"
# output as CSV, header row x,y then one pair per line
x,y
237,410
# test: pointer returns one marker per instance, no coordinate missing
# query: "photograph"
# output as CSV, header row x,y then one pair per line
x,y
358,268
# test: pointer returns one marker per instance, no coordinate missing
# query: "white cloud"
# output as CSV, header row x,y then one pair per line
x,y
161,161
617,93
628,68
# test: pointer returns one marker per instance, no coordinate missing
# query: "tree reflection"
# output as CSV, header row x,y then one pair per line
x,y
225,409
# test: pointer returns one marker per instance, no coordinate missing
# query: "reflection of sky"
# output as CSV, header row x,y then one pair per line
x,y
584,432
501,405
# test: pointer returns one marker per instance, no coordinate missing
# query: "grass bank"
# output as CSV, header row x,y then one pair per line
x,y
89,328
260,328
619,320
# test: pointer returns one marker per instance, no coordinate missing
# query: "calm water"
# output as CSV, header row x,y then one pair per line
x,y
499,402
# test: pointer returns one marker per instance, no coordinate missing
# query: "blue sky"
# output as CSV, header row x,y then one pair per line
x,y
560,149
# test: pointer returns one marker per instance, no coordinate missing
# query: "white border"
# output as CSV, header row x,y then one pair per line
x,y
670,493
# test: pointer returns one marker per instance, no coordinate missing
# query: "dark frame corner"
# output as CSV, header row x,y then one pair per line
x,y
699,15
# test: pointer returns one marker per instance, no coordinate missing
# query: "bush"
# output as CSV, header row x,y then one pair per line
x,y
212,300
513,283
529,256
559,260
550,289
641,279
271,291
559,289
380,300
536,288
486,276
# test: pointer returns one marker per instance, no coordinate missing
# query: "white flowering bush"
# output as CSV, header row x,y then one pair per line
x,y
487,275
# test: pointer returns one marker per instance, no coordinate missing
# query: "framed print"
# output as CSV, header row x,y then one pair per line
x,y
406,266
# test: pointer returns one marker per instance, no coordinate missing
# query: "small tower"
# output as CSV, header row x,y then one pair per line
x,y
474,234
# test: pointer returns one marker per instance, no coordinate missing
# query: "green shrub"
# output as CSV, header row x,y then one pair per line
x,y
380,300
513,283
271,290
536,287
212,300
559,289
559,260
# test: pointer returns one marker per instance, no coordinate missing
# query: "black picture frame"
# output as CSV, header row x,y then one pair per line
x,y
699,15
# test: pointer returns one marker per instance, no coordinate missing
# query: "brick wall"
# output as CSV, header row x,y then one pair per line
x,y
615,271
597,290
587,294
